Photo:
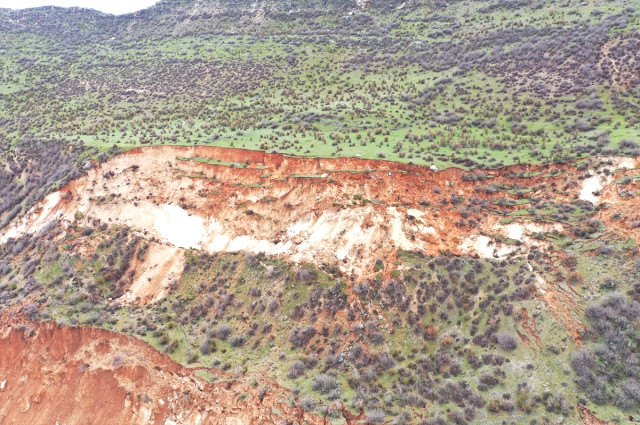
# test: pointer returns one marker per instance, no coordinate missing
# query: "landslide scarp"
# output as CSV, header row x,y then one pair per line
x,y
352,212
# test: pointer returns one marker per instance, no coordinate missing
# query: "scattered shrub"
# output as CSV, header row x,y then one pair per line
x,y
507,341
296,369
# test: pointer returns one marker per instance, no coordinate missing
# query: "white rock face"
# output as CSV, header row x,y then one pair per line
x,y
485,247
591,185
36,218
178,227
596,183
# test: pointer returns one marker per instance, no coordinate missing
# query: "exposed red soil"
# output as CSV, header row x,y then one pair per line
x,y
529,325
589,418
621,212
562,307
78,375
265,200
346,211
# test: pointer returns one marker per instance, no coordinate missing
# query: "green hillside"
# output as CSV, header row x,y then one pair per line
x,y
461,83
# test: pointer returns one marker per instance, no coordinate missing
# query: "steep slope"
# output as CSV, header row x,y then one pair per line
x,y
52,374
432,217
349,211
357,214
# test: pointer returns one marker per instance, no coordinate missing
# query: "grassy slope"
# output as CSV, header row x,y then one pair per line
x,y
379,83
430,315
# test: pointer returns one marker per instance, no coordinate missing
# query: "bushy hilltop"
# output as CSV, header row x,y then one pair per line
x,y
446,83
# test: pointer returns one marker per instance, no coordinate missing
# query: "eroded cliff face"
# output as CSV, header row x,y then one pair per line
x,y
345,210
73,375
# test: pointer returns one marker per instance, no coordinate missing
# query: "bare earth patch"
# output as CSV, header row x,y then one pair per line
x,y
162,267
